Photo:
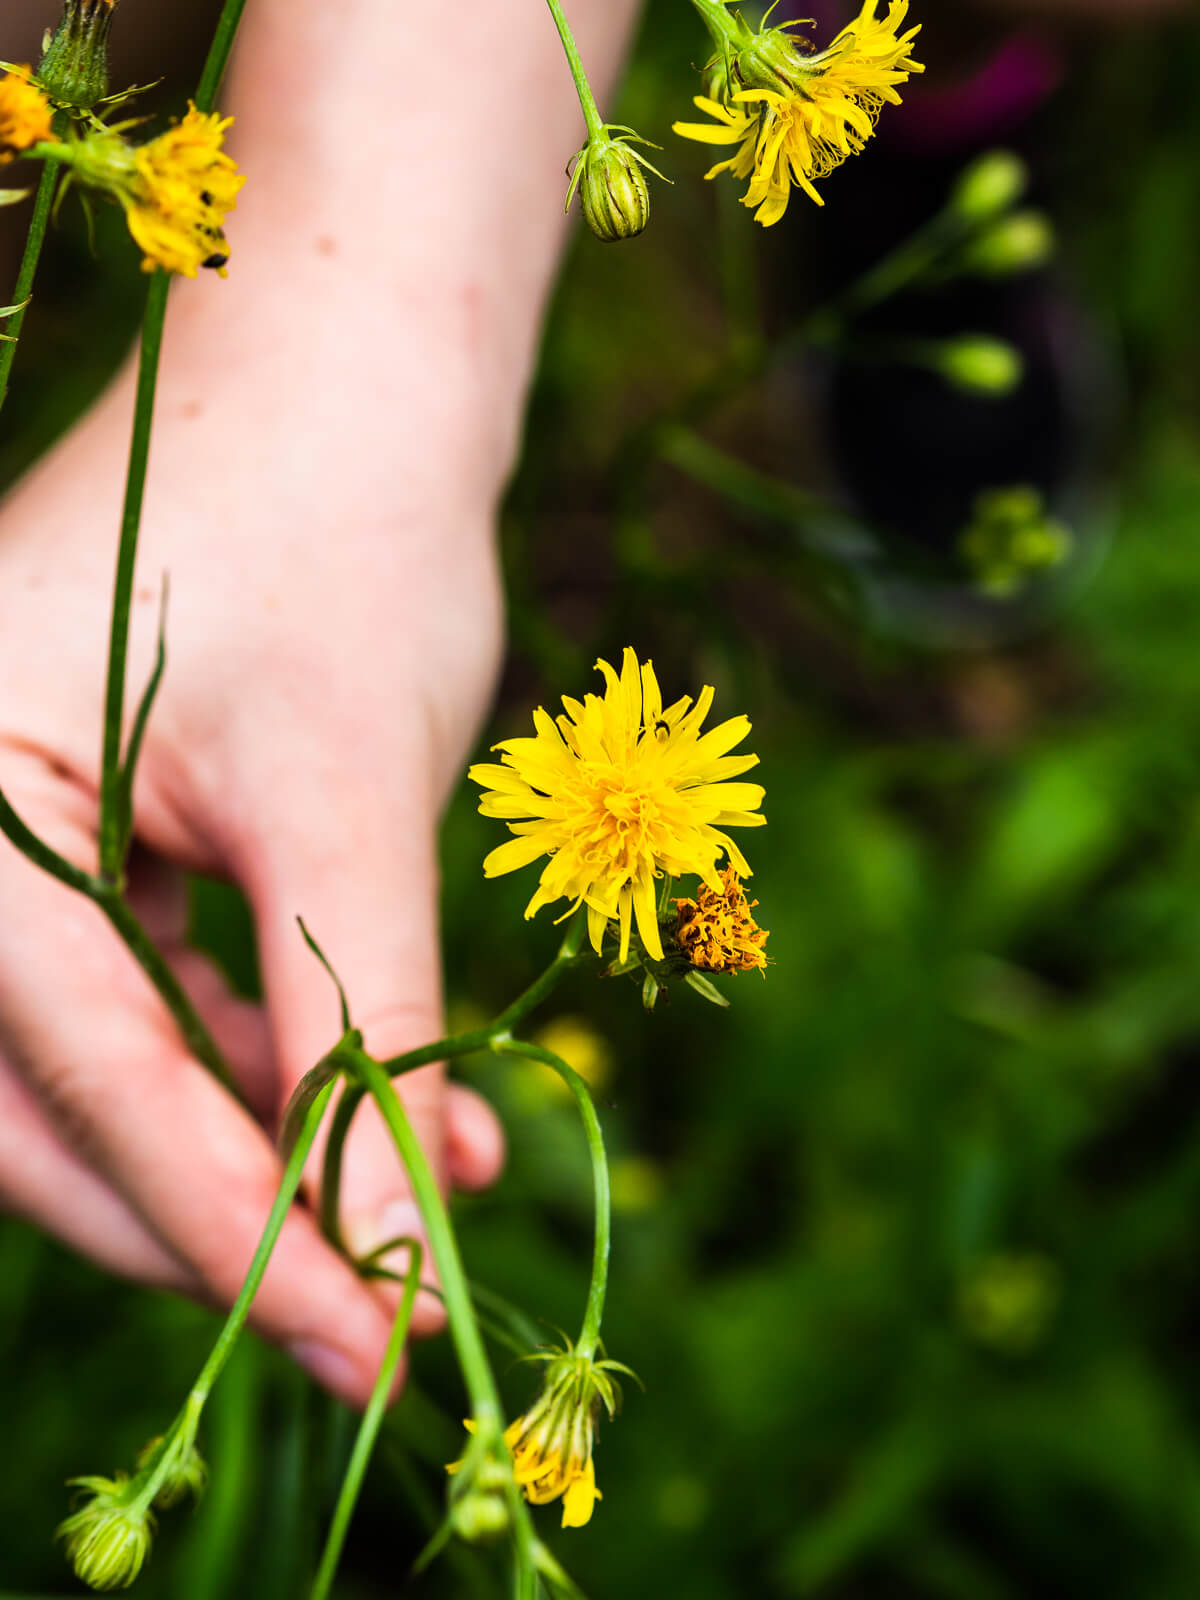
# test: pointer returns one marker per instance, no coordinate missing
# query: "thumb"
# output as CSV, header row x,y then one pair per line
x,y
367,890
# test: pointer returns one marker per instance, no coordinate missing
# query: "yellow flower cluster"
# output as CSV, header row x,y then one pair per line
x,y
182,185
617,792
825,110
717,933
25,113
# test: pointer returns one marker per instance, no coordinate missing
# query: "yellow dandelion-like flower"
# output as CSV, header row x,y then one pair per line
x,y
25,113
717,933
182,185
551,1445
817,110
617,792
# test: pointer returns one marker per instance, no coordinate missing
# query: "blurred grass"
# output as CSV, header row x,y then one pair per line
x,y
907,1256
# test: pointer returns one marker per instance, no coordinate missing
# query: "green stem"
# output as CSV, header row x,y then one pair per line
x,y
460,1044
481,1387
368,1432
188,1419
289,1183
170,991
112,840
43,201
589,1336
218,54
587,100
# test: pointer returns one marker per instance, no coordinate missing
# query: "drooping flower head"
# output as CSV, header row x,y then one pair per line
x,y
617,792
109,1537
551,1445
25,113
185,185
795,116
717,933
175,190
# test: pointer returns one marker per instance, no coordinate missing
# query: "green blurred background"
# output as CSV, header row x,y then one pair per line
x,y
904,1250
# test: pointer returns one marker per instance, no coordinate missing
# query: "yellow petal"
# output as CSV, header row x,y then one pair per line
x,y
580,1498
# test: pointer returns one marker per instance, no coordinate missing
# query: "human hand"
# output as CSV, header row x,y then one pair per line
x,y
334,629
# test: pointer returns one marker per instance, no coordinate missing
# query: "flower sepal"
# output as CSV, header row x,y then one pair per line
x,y
74,68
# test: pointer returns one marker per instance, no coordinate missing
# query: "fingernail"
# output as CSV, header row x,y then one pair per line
x,y
365,1231
331,1367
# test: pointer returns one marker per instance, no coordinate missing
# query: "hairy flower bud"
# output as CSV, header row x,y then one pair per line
x,y
990,185
614,195
108,1539
612,186
74,69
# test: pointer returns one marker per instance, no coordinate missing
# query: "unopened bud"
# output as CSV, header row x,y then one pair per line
x,y
183,1474
990,185
980,365
480,1516
1016,243
108,1539
74,69
613,191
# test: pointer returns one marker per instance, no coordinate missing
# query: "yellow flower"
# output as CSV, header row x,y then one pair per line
x,y
716,931
25,113
175,202
823,107
551,1445
617,792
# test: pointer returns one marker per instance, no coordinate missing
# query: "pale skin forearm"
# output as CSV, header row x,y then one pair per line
x,y
404,206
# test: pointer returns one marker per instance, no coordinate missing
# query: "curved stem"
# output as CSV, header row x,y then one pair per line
x,y
589,1336
587,100
464,1331
461,1044
368,1431
42,204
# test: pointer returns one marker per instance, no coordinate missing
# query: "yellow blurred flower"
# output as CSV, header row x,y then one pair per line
x,y
717,933
183,186
25,113
617,792
581,1047
810,111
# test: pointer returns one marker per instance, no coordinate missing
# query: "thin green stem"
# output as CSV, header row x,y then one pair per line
x,y
461,1044
171,992
182,1432
112,840
368,1432
218,54
43,201
587,100
20,834
464,1331
589,1336
289,1183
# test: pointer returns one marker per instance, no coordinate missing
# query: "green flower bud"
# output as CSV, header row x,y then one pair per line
x,y
613,192
74,69
612,187
185,1473
479,1517
1016,243
980,365
109,1538
989,186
